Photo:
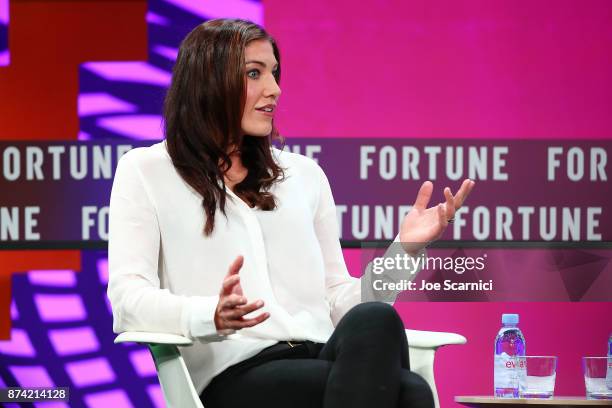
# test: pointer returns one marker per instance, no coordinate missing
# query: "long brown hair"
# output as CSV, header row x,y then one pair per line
x,y
203,111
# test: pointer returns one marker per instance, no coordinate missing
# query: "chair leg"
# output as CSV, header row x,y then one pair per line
x,y
174,378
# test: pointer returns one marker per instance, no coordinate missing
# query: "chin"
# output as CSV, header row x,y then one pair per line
x,y
260,132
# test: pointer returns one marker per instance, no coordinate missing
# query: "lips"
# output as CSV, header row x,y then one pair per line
x,y
267,110
270,108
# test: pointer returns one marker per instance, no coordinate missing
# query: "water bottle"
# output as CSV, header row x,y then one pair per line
x,y
509,344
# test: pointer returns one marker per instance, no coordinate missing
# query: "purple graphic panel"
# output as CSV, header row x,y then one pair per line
x,y
76,353
123,99
62,319
4,25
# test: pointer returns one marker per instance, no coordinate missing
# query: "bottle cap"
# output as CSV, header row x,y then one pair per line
x,y
510,318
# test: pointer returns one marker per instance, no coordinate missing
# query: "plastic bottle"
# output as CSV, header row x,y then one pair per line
x,y
509,344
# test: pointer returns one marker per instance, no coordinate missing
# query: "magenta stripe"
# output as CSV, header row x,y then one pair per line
x,y
61,278
248,10
14,311
31,376
144,127
143,363
90,372
156,395
100,102
57,308
167,52
18,345
5,58
105,399
83,136
74,341
137,71
102,266
4,12
153,18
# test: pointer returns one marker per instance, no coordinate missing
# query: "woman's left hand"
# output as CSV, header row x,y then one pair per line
x,y
423,225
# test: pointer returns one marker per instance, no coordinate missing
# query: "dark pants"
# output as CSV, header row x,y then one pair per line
x,y
363,365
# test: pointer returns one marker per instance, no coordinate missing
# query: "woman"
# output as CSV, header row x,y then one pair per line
x,y
283,325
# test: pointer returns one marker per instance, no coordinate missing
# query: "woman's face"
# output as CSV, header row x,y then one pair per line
x,y
262,89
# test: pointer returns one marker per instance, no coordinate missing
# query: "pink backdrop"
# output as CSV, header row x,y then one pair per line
x,y
475,68
457,69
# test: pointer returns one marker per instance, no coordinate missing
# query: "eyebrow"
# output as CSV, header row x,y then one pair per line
x,y
263,64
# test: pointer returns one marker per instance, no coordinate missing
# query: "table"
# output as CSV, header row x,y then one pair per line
x,y
559,402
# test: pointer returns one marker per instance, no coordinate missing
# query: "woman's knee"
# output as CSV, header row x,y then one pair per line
x,y
414,391
378,314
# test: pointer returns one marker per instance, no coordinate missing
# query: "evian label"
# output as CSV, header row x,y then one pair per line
x,y
506,371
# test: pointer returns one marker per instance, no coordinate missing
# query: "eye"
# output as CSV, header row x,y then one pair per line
x,y
253,73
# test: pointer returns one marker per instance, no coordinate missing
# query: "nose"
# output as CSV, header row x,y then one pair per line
x,y
272,89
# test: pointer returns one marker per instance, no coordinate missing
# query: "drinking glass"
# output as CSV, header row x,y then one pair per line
x,y
597,377
536,376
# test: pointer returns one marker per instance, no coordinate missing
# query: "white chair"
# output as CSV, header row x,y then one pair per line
x,y
179,391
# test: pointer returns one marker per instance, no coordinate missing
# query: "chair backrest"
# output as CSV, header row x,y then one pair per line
x,y
173,377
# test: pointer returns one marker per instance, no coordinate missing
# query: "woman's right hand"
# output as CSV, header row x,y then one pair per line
x,y
233,305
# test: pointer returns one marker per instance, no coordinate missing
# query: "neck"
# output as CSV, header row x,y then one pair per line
x,y
237,172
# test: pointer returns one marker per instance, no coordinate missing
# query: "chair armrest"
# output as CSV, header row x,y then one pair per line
x,y
432,340
153,338
422,346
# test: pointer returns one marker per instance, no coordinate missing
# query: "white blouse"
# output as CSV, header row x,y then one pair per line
x,y
165,275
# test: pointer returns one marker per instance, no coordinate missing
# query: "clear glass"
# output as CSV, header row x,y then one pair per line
x,y
597,377
536,376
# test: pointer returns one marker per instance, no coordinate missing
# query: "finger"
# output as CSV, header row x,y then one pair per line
x,y
231,301
237,289
463,192
235,266
450,204
241,310
423,196
232,277
241,324
442,215
228,284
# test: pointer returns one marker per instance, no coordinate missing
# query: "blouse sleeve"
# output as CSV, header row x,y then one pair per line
x,y
343,290
138,303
